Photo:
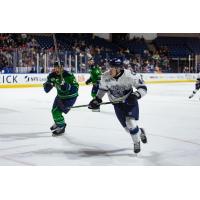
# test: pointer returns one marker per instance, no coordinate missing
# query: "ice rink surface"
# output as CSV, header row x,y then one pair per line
x,y
171,121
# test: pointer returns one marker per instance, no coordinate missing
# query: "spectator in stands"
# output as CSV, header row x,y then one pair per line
x,y
198,68
32,70
186,69
156,56
42,70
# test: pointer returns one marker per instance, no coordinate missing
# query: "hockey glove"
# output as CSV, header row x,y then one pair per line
x,y
47,86
133,97
87,82
94,104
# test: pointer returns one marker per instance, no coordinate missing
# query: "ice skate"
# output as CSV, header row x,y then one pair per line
x,y
143,136
53,127
137,147
59,130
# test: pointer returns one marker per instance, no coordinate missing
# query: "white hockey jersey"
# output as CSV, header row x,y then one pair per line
x,y
119,89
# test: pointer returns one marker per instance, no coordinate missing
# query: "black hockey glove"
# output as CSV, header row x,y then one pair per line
x,y
87,82
133,97
94,104
136,94
65,86
47,86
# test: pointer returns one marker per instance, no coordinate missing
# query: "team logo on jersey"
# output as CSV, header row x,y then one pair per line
x,y
119,91
107,80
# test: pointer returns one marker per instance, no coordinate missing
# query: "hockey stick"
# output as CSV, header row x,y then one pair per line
x,y
56,48
86,105
56,51
193,93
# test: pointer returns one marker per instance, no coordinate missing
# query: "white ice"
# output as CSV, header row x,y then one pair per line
x,y
171,120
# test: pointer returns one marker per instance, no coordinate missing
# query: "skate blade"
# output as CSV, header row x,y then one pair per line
x,y
57,135
136,153
95,110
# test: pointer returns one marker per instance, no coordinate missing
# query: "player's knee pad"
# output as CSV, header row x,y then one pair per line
x,y
134,131
131,124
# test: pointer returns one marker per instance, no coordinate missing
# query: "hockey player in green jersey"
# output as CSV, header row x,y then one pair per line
x,y
95,77
67,92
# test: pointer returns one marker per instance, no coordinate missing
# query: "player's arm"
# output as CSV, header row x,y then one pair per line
x,y
49,84
100,93
141,90
141,87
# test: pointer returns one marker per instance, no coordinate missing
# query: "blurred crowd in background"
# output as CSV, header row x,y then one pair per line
x,y
35,53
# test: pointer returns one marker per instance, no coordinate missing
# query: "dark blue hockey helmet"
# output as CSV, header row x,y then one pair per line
x,y
58,64
116,62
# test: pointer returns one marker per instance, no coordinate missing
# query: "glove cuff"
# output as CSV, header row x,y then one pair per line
x,y
137,94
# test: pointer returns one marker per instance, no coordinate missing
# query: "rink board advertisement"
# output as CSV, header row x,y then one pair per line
x,y
169,78
36,80
22,80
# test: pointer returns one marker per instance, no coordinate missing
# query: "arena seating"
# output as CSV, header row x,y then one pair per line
x,y
194,45
135,46
179,46
45,42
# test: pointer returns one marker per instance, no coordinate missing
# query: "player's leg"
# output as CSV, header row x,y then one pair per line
x,y
197,87
132,116
59,127
94,91
61,106
120,111
134,132
67,103
132,113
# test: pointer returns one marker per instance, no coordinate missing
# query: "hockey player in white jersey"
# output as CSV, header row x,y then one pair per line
x,y
124,88
197,87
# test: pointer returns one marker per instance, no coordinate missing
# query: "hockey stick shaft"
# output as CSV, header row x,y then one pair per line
x,y
193,93
56,51
86,105
56,48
